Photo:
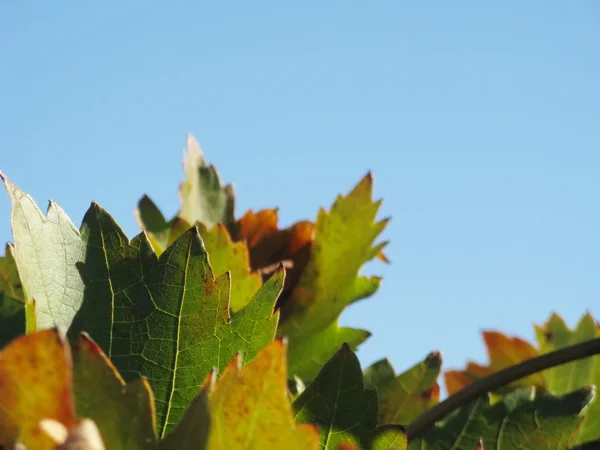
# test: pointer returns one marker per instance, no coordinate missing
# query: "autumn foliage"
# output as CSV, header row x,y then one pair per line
x,y
212,331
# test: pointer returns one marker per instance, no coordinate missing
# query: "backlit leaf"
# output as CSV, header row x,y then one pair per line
x,y
404,397
308,355
503,352
35,384
245,409
166,318
123,413
554,335
520,421
203,198
344,411
344,239
268,245
47,250
12,300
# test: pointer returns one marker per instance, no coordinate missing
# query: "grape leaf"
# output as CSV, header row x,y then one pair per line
x,y
521,420
123,413
344,411
12,300
47,249
10,283
503,352
35,384
203,199
245,409
268,245
344,240
555,334
308,355
404,397
166,318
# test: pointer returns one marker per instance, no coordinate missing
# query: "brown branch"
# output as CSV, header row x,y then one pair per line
x,y
498,380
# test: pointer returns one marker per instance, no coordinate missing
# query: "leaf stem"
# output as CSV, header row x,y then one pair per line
x,y
498,380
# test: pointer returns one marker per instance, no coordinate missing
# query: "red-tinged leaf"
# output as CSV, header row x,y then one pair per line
x,y
245,409
268,245
35,384
124,413
503,352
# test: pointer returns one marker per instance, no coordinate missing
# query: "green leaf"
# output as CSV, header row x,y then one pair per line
x,y
225,255
308,355
245,409
10,283
123,413
12,300
521,420
47,250
343,243
344,411
203,198
555,334
152,221
166,319
404,397
35,384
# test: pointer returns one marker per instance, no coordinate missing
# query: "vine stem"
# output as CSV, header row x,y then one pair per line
x,y
498,380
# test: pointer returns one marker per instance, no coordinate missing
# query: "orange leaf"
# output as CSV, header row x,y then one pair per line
x,y
503,352
268,245
35,384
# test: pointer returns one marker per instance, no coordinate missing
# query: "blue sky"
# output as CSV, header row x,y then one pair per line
x,y
478,120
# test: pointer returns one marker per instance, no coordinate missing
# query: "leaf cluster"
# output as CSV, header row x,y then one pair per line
x,y
207,331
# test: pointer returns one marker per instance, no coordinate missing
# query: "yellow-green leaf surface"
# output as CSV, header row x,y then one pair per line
x,y
10,283
555,334
35,384
124,413
343,410
404,397
521,421
166,318
308,355
245,409
47,250
344,242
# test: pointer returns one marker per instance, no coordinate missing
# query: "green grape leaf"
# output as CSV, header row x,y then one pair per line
x,y
308,355
555,334
203,198
522,420
404,397
344,411
10,282
245,409
166,318
123,413
343,243
12,299
47,250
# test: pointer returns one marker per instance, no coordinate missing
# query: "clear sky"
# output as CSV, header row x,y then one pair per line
x,y
480,122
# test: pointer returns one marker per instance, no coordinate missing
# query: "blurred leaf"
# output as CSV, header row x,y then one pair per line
x,y
123,413
268,245
344,240
554,335
404,397
203,198
12,319
10,283
519,421
308,355
503,352
47,249
344,411
168,318
35,384
245,409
